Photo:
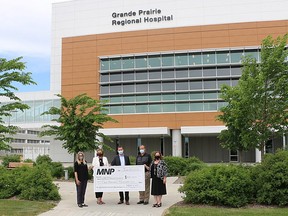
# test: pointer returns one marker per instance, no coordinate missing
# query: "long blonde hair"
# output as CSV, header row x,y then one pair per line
x,y
77,157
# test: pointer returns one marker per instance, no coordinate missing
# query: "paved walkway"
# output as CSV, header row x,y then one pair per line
x,y
68,207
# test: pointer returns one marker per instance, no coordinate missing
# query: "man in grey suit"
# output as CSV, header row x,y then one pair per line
x,y
122,160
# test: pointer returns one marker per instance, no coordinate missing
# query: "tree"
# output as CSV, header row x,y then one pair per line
x,y
11,72
260,101
79,120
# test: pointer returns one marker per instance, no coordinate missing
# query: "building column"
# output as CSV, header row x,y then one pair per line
x,y
176,143
100,146
257,155
284,141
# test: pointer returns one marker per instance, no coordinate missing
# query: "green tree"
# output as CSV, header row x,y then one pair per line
x,y
257,107
79,120
11,72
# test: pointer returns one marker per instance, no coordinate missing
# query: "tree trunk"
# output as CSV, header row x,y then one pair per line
x,y
262,151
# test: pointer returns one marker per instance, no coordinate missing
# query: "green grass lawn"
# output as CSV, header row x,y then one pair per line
x,y
23,207
218,211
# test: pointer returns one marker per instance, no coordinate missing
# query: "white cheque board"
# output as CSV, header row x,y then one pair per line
x,y
119,178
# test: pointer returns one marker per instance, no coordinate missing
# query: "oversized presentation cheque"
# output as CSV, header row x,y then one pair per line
x,y
119,178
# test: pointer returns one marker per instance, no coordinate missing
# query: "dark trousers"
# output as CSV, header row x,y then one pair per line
x,y
98,194
81,189
122,196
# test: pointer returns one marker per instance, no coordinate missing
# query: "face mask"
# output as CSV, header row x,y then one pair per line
x,y
157,157
142,151
99,154
120,152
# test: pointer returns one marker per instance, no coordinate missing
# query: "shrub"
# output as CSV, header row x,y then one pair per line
x,y
43,159
28,161
132,160
57,169
70,171
10,158
7,184
219,185
272,179
37,184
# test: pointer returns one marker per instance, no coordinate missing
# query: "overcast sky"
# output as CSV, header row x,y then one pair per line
x,y
25,30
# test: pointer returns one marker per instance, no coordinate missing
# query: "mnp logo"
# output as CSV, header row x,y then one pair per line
x,y
105,171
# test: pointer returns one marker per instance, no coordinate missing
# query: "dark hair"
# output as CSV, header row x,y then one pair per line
x,y
120,147
161,157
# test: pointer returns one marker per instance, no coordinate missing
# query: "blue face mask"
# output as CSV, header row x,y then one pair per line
x,y
121,152
142,151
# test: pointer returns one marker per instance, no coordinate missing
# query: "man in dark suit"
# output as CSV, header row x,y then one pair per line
x,y
122,160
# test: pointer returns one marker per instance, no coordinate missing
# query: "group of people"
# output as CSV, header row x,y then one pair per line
x,y
155,169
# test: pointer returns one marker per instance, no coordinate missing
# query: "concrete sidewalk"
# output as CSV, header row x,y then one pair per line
x,y
68,207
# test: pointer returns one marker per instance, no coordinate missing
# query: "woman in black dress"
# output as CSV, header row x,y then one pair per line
x,y
81,178
158,174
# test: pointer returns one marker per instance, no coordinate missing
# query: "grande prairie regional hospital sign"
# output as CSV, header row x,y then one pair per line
x,y
119,178
140,16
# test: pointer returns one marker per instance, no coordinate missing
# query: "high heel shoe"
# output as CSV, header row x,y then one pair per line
x,y
155,205
159,205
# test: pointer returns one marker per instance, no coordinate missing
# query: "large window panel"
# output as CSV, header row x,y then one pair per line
x,y
222,82
168,107
181,59
167,60
209,58
194,85
116,109
223,71
141,108
143,75
104,64
38,110
141,61
183,85
128,62
223,57
154,87
195,59
235,82
196,96
209,84
115,64
182,107
104,77
168,97
181,73
209,72
197,72
154,61
141,98
129,109
210,95
155,108
104,89
128,98
236,71
168,86
182,96
210,106
128,88
168,74
116,99
155,75
29,113
236,56
115,89
115,77
127,76
142,87
252,53
196,106
154,98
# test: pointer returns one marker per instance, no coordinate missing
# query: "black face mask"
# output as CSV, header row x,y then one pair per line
x,y
157,157
99,155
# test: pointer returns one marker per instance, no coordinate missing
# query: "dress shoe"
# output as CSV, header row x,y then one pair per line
x,y
120,202
140,202
127,203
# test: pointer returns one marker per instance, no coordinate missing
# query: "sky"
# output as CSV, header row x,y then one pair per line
x,y
25,31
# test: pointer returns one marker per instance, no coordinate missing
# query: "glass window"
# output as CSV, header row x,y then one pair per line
x,y
222,104
182,107
142,87
182,96
154,61
128,88
128,62
115,77
154,75
210,106
129,109
116,99
181,59
197,72
168,74
195,85
195,59
168,86
169,107
196,96
38,110
236,71
183,85
252,53
168,97
236,56
222,82
141,75
181,73
209,72
116,109
20,115
141,61
115,89
140,98
115,64
154,108
104,64
223,71
235,82
196,106
210,84
141,108
223,57
128,98
209,58
104,89
154,87
167,60
210,95
104,77
154,97
105,110
128,76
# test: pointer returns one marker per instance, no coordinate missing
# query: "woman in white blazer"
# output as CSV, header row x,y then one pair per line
x,y
98,161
